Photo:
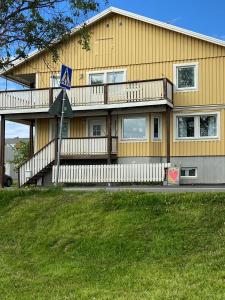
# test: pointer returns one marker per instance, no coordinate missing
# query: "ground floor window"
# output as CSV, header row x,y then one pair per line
x,y
188,172
156,125
134,128
197,126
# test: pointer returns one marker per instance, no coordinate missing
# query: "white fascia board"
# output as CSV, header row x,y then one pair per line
x,y
122,105
89,107
133,16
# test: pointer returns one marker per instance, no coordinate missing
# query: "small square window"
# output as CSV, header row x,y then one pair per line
x,y
188,172
186,77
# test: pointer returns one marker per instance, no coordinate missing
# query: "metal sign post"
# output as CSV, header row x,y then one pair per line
x,y
66,110
60,138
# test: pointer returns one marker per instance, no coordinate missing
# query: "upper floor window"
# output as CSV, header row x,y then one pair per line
x,y
197,126
186,76
106,77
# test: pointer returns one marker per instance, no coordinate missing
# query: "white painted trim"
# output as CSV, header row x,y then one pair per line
x,y
125,13
199,107
175,77
104,72
159,117
197,136
133,116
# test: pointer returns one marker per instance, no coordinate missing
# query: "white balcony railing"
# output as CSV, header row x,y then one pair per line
x,y
136,91
87,146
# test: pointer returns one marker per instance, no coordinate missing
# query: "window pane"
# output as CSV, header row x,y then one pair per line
x,y
208,126
115,77
182,173
186,77
134,128
96,130
96,78
192,172
185,127
156,128
55,80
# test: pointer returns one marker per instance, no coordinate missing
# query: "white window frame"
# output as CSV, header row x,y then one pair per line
x,y
189,177
196,126
100,120
51,79
175,76
145,139
159,117
105,72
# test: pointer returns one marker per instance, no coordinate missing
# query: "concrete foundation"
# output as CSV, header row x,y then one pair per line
x,y
210,169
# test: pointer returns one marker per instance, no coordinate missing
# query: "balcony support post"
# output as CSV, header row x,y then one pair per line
x,y
31,139
56,138
109,134
105,93
2,152
168,134
165,88
50,96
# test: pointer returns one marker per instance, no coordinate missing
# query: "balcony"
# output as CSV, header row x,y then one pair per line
x,y
148,92
80,148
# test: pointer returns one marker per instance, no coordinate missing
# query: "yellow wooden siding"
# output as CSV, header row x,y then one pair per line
x,y
78,127
42,132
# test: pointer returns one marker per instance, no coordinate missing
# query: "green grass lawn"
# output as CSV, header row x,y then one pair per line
x,y
75,245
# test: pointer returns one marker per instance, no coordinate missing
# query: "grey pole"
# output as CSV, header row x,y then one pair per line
x,y
60,138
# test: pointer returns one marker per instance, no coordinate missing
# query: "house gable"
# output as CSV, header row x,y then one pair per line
x,y
119,40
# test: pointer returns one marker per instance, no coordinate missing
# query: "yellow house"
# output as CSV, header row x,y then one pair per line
x,y
146,93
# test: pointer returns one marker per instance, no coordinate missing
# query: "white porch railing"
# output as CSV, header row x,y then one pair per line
x,y
135,91
118,173
39,161
87,146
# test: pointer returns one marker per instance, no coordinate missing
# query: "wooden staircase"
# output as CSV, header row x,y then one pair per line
x,y
38,165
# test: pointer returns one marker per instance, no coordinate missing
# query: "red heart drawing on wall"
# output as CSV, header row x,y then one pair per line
x,y
173,174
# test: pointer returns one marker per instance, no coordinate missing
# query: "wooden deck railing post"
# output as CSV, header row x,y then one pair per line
x,y
105,93
2,152
165,88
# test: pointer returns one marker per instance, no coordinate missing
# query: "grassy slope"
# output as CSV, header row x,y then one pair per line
x,y
56,245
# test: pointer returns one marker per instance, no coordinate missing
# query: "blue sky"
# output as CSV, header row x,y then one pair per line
x,y
207,17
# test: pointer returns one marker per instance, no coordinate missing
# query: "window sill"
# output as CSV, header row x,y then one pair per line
x,y
133,140
197,139
186,90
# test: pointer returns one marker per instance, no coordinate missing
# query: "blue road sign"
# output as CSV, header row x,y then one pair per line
x,y
66,77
